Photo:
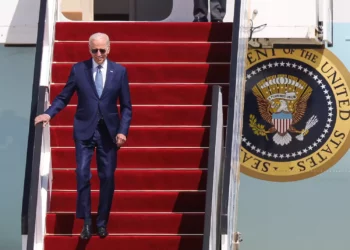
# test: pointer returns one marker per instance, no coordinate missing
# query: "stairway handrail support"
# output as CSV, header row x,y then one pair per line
x,y
45,180
212,227
39,176
230,235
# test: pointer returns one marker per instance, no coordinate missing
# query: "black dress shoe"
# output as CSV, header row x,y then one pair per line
x,y
102,232
86,232
216,21
200,19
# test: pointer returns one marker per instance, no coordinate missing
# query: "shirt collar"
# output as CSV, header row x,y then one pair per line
x,y
94,64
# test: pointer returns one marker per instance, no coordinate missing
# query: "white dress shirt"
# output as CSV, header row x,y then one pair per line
x,y
103,70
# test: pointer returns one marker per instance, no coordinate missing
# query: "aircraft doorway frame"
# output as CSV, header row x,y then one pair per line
x,y
132,10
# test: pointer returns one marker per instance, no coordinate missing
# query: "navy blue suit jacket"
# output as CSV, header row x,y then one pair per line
x,y
89,104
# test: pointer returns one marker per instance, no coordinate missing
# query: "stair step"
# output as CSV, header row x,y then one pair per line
x,y
135,201
147,158
145,31
144,137
160,72
138,180
162,94
152,116
125,243
148,52
128,223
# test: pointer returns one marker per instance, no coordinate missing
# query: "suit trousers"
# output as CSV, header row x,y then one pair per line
x,y
217,9
106,158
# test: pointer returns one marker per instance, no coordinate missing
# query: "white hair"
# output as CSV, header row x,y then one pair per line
x,y
98,36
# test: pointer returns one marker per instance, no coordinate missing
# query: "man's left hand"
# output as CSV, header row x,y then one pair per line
x,y
120,139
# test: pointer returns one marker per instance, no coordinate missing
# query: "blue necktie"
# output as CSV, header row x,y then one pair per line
x,y
99,81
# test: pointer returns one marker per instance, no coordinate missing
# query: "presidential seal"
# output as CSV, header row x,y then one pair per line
x,y
296,115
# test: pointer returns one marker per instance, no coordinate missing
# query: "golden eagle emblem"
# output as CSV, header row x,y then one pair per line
x,y
282,102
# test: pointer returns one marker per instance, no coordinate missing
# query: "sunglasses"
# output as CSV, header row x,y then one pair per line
x,y
102,51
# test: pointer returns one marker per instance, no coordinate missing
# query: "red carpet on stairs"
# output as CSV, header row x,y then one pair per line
x,y
149,52
167,94
145,137
138,201
161,175
161,73
161,116
147,158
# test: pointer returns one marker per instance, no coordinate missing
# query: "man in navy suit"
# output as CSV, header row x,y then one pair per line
x,y
98,83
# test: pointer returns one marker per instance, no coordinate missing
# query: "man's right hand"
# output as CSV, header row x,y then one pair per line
x,y
44,118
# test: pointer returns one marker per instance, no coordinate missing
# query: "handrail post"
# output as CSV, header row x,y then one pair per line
x,y
234,124
132,10
37,175
212,229
34,110
34,188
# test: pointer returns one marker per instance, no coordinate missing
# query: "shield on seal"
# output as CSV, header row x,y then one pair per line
x,y
282,121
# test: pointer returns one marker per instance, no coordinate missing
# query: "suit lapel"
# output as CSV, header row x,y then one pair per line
x,y
109,76
88,72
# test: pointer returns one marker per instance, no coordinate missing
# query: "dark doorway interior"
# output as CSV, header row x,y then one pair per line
x,y
132,10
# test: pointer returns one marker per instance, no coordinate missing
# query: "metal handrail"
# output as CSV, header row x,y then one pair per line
x,y
35,133
38,176
212,228
234,125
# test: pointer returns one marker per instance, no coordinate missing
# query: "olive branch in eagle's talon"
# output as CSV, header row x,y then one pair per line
x,y
258,129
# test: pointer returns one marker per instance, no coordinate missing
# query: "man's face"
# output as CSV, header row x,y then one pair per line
x,y
99,50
